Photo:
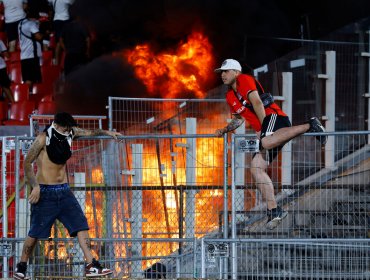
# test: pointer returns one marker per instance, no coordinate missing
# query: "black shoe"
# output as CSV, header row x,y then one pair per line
x,y
95,269
316,126
275,216
20,273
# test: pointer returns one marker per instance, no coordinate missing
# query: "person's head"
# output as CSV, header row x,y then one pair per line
x,y
230,69
63,122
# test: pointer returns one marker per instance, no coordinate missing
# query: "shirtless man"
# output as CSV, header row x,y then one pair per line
x,y
51,197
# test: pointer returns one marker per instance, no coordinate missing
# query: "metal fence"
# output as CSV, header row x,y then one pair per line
x,y
136,116
165,197
307,63
186,202
39,122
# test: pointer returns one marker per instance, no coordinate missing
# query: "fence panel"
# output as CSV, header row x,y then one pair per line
x,y
285,259
322,201
39,122
149,199
166,203
136,116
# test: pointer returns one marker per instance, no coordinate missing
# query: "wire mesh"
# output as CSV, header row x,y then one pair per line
x,y
308,61
136,116
282,259
137,225
39,122
321,201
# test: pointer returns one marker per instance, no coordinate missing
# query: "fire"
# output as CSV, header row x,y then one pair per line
x,y
172,74
97,176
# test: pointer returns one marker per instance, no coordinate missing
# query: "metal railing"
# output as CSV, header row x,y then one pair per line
x,y
153,199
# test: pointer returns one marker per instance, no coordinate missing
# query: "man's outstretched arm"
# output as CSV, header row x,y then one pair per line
x,y
236,121
96,132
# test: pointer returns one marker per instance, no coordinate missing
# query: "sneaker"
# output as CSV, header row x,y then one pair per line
x,y
94,269
20,276
275,216
20,273
316,126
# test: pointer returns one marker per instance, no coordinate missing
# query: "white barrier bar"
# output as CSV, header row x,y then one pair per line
x,y
80,181
367,95
137,208
329,116
191,128
286,157
330,108
4,198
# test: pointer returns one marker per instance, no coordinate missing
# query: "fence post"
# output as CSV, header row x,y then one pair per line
x,y
79,181
4,201
191,128
329,116
239,175
22,207
234,262
330,108
110,113
137,208
202,259
286,157
367,94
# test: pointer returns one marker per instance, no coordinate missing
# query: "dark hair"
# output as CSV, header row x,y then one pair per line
x,y
65,119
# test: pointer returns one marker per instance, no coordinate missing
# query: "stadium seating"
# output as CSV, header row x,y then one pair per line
x,y
40,99
15,56
47,58
14,68
48,98
3,110
20,92
41,89
47,106
3,37
19,112
50,74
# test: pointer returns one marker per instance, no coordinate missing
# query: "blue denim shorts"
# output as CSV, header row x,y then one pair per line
x,y
57,202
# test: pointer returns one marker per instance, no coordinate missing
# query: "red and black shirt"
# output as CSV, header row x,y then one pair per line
x,y
245,84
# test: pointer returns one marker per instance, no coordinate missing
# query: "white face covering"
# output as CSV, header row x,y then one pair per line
x,y
64,134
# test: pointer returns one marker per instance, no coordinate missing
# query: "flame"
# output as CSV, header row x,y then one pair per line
x,y
97,176
172,74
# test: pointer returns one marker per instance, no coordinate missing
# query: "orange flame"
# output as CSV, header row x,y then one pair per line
x,y
173,74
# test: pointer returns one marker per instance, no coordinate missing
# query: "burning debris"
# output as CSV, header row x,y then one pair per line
x,y
181,73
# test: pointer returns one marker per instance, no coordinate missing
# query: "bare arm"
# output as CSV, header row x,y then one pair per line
x,y
257,104
96,132
32,155
236,121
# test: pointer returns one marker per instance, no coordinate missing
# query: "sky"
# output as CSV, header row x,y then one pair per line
x,y
244,30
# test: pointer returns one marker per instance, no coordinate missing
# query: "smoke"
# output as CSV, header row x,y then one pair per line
x,y
86,90
236,29
230,25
